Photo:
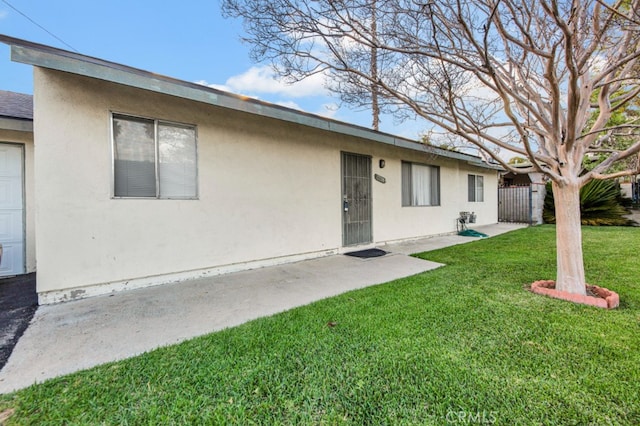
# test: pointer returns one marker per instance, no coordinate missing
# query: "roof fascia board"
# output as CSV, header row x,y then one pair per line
x,y
16,124
497,167
62,60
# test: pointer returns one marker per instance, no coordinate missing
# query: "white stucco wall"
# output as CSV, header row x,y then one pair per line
x,y
269,191
393,222
25,139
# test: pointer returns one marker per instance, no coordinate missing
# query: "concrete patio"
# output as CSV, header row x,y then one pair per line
x,y
72,336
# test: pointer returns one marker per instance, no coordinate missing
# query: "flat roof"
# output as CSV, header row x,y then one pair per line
x,y
44,56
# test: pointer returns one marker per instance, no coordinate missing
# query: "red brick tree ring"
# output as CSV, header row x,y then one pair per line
x,y
602,297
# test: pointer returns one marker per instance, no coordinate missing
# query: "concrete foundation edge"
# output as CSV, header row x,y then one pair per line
x,y
76,293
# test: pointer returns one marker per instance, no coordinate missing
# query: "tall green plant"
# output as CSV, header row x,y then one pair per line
x,y
600,205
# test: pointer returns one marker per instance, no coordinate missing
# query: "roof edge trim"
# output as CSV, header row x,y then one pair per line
x,y
17,124
62,60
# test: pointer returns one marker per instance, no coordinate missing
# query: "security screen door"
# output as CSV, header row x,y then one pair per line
x,y
356,199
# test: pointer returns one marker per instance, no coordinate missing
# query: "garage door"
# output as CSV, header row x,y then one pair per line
x,y
11,209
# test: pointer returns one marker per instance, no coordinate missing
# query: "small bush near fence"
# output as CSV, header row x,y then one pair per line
x,y
601,204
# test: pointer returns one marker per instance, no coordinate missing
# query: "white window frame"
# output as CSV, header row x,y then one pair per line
x,y
408,195
475,188
156,124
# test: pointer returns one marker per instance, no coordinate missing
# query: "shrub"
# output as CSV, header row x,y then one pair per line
x,y
600,205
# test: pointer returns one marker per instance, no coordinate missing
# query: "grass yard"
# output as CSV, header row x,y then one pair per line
x,y
464,344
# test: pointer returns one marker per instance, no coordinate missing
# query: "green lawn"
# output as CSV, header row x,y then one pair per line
x,y
464,344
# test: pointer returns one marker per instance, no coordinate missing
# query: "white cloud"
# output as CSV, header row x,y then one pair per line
x,y
261,80
329,110
289,104
473,88
3,14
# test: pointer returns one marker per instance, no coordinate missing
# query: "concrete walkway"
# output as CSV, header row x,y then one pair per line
x,y
71,336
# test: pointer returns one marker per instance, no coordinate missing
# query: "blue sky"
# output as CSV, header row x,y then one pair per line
x,y
188,40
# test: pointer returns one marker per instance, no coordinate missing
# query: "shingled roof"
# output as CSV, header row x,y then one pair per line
x,y
16,105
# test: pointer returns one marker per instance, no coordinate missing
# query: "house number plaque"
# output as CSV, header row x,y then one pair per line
x,y
379,178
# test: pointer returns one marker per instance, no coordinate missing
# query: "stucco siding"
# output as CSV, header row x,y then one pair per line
x,y
267,190
394,222
262,193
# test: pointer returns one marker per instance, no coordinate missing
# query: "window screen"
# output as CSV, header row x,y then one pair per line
x,y
476,188
153,159
177,161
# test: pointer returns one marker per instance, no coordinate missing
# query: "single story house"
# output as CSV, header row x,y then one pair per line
x,y
134,179
522,179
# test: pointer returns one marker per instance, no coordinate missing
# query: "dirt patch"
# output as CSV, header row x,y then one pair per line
x,y
18,304
596,296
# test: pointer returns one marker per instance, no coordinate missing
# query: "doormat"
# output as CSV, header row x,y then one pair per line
x,y
365,254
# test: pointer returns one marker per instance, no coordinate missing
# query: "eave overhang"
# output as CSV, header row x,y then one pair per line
x,y
43,56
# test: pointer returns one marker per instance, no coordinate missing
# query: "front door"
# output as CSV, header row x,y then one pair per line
x,y
356,199
11,210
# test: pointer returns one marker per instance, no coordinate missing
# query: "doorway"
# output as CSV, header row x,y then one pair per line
x,y
356,199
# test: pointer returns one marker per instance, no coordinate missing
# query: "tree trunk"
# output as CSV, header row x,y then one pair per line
x,y
570,263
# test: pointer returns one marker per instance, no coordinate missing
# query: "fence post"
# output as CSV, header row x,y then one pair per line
x,y
530,204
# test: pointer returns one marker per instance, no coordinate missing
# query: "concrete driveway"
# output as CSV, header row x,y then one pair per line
x,y
71,336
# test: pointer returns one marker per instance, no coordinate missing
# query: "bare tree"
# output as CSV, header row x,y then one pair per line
x,y
523,77
351,88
